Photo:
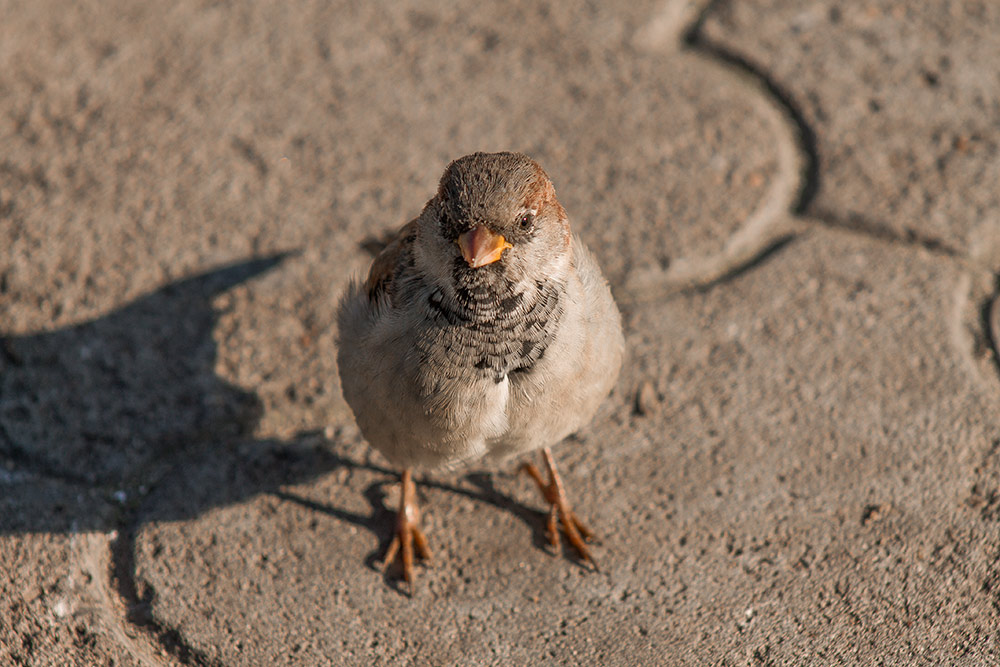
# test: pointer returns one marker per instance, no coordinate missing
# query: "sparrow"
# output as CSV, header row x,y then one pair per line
x,y
484,330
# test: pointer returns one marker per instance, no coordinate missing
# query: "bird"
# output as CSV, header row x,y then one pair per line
x,y
484,330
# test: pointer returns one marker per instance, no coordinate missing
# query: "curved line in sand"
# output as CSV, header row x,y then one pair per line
x,y
773,220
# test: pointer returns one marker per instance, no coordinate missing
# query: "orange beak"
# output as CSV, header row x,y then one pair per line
x,y
480,246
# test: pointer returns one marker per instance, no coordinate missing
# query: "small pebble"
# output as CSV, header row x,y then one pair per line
x,y
646,400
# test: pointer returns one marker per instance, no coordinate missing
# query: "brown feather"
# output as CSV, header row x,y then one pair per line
x,y
384,266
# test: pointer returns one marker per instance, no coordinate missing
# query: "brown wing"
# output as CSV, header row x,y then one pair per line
x,y
387,263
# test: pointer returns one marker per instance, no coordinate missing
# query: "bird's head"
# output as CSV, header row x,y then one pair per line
x,y
497,213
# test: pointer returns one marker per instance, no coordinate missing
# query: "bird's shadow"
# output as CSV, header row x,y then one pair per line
x,y
126,412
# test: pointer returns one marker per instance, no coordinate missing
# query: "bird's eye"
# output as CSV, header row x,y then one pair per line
x,y
526,220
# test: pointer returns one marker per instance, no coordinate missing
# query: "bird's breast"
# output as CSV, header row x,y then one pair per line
x,y
480,333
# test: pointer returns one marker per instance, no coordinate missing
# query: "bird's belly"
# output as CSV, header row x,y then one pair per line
x,y
434,422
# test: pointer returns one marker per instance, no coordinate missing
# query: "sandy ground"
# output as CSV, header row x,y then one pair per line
x,y
797,205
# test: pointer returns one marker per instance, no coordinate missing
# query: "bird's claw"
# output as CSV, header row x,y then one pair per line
x,y
577,533
408,534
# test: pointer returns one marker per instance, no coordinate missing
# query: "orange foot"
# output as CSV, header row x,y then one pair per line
x,y
408,531
555,495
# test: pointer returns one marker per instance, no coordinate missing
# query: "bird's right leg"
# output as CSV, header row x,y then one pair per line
x,y
559,509
408,533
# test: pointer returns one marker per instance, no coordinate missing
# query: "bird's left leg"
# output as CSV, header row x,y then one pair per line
x,y
555,495
408,533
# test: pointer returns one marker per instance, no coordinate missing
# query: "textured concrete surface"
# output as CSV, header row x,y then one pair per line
x,y
796,204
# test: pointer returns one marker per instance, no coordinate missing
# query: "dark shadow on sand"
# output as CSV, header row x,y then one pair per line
x,y
128,410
